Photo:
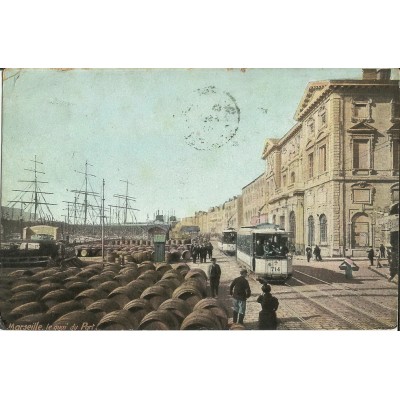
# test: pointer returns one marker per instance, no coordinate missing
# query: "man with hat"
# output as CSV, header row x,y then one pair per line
x,y
214,274
240,291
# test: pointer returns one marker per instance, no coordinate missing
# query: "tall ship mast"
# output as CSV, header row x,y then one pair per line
x,y
124,207
32,199
85,209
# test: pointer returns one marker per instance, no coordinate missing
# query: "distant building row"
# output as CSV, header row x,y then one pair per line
x,y
333,176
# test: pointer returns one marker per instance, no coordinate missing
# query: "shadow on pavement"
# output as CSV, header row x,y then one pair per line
x,y
323,274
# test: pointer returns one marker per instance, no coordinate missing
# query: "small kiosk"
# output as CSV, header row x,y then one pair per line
x,y
159,248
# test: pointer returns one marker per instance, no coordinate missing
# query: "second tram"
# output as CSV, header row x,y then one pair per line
x,y
227,241
264,251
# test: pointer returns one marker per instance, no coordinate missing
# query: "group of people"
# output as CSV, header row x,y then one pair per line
x,y
270,249
379,253
316,252
240,291
201,251
383,252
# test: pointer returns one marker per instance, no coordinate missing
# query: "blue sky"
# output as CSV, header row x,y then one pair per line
x,y
187,139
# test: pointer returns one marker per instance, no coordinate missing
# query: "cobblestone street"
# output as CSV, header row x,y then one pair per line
x,y
318,296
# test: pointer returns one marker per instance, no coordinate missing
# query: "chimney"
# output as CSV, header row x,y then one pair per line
x,y
369,74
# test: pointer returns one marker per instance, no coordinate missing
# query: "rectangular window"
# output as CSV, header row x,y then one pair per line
x,y
361,154
282,222
322,158
311,165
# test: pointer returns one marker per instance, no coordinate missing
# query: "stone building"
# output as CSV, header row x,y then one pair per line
x,y
336,171
254,201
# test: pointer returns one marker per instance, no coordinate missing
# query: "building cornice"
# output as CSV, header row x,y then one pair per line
x,y
327,87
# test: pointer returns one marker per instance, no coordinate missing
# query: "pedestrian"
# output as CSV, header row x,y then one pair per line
x,y
308,253
210,249
194,254
371,256
382,250
214,274
203,253
267,316
240,291
317,253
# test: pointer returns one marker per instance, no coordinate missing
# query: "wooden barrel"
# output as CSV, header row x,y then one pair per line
x,y
25,309
64,308
202,319
159,320
178,307
118,320
82,319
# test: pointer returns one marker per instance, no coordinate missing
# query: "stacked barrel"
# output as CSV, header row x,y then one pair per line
x,y
134,296
123,251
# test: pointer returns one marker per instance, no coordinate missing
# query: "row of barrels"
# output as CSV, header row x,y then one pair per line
x,y
94,250
144,297
146,242
136,254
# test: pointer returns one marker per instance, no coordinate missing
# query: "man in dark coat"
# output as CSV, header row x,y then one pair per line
x,y
203,253
382,250
194,254
317,253
240,291
210,248
269,304
371,256
214,274
309,253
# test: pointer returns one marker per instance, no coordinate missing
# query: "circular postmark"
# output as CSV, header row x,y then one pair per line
x,y
212,119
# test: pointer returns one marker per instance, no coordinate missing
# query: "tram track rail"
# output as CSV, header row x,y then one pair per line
x,y
316,303
346,288
283,303
376,322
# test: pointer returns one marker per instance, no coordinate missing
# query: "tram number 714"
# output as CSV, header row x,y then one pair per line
x,y
275,269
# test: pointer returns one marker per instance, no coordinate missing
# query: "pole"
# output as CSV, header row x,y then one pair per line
x,y
102,224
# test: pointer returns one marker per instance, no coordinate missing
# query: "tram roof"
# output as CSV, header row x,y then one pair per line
x,y
271,229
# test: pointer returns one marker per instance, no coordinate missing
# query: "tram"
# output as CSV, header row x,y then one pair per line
x,y
263,250
227,241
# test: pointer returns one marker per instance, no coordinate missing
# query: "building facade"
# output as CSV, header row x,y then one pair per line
x,y
336,171
254,201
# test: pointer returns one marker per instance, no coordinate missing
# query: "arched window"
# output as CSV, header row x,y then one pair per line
x,y
360,230
323,229
274,219
292,177
310,230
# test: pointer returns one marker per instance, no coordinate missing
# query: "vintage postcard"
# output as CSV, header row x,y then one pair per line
x,y
199,199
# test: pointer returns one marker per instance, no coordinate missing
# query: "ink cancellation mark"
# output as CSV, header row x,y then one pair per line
x,y
212,120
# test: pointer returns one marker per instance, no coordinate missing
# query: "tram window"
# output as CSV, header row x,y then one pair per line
x,y
273,245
